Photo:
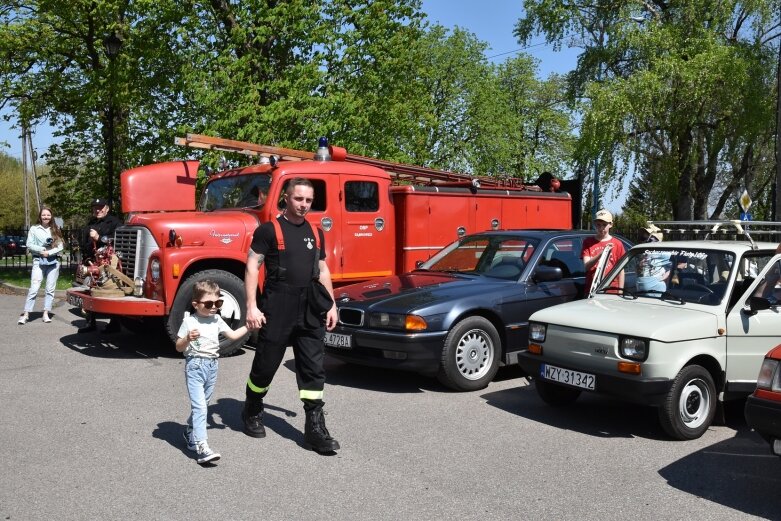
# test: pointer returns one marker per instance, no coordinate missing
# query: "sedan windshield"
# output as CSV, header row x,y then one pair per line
x,y
239,191
684,275
497,256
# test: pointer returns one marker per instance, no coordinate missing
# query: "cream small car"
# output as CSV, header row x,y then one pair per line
x,y
688,330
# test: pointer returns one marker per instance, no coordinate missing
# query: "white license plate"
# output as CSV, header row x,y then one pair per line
x,y
567,376
338,340
74,301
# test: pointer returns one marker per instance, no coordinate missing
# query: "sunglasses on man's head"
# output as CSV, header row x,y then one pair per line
x,y
209,303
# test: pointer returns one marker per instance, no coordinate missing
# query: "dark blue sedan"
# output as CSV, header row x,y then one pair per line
x,y
465,311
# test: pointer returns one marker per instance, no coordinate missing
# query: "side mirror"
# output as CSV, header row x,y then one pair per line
x,y
547,274
756,304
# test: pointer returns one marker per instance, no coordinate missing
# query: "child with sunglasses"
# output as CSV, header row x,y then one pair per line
x,y
198,338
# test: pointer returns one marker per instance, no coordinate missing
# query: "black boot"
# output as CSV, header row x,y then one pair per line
x,y
316,435
252,415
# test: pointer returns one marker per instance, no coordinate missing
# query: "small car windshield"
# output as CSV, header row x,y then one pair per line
x,y
679,274
238,191
497,256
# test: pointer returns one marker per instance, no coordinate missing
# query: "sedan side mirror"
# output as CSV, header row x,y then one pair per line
x,y
547,274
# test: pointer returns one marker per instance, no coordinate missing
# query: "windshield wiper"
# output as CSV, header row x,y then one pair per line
x,y
669,296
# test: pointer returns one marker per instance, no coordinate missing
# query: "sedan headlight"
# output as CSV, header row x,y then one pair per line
x,y
537,332
397,321
633,348
769,376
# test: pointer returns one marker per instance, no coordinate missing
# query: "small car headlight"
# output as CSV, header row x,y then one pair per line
x,y
768,375
537,332
633,348
154,269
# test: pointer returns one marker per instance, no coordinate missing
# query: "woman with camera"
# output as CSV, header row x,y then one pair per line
x,y
45,242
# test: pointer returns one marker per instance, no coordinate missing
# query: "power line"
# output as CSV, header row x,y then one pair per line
x,y
517,50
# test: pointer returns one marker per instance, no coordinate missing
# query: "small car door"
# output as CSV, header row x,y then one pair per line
x,y
752,334
600,270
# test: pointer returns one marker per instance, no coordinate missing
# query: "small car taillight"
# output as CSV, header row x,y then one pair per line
x,y
769,377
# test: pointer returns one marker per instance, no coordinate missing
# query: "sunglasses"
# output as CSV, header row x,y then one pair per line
x,y
209,303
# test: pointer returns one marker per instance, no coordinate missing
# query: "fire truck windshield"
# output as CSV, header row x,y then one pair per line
x,y
240,191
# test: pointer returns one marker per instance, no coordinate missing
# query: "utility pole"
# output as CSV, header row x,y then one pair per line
x,y
24,175
33,171
777,186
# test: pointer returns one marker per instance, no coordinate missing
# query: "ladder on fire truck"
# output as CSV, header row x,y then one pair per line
x,y
398,171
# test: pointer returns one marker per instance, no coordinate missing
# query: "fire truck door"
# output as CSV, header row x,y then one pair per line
x,y
367,229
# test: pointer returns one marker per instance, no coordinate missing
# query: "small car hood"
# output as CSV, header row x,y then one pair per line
x,y
653,320
404,292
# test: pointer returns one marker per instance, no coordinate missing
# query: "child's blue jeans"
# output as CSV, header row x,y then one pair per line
x,y
201,377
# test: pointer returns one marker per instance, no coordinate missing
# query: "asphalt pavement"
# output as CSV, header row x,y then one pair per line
x,y
91,429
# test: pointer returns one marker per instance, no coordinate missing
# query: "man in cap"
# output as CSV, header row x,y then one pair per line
x,y
102,224
594,246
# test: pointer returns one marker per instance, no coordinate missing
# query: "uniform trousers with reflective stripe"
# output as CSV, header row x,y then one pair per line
x,y
286,324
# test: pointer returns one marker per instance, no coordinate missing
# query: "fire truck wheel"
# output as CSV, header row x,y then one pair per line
x,y
234,307
470,356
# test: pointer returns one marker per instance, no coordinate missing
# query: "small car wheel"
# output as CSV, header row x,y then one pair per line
x,y
470,356
233,310
688,409
555,395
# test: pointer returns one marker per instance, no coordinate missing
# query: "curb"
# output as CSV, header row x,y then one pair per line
x,y
18,290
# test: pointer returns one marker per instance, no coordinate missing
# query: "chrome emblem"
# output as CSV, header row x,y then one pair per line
x,y
327,223
379,224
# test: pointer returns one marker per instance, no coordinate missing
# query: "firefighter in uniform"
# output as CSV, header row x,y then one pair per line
x,y
284,317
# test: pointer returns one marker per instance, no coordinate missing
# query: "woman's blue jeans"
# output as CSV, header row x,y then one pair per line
x,y
48,271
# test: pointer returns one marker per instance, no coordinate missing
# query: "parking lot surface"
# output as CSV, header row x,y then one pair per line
x,y
92,426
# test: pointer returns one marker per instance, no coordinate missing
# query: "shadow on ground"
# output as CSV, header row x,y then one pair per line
x,y
739,473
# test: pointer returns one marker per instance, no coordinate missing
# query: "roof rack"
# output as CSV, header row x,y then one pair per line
x,y
720,229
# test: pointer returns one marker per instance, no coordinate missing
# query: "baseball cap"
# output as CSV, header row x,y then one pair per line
x,y
604,215
99,202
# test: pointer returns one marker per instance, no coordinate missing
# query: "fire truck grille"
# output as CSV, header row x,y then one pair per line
x,y
134,244
351,317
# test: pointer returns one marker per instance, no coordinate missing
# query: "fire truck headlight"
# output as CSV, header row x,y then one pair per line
x,y
154,270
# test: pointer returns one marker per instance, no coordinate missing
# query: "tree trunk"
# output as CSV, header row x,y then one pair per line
x,y
682,210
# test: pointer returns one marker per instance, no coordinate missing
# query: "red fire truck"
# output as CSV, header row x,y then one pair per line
x,y
380,218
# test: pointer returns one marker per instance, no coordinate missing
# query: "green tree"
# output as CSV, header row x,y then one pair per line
x,y
684,86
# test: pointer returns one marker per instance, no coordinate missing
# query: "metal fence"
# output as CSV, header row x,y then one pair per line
x,y
14,254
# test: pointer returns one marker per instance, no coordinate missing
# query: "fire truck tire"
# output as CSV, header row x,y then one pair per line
x,y
234,309
470,356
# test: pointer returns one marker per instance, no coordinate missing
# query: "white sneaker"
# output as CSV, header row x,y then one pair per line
x,y
205,454
46,317
22,319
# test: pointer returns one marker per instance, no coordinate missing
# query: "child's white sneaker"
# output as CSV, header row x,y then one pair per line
x,y
205,454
